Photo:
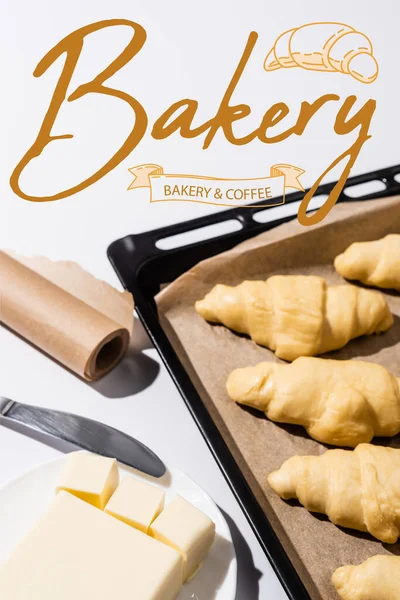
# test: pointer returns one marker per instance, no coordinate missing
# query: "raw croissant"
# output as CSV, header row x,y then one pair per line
x,y
373,263
378,578
357,488
343,403
325,47
297,315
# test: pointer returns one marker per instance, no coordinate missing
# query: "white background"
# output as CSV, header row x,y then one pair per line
x,y
191,51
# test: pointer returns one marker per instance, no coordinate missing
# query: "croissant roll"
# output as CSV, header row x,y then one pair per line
x,y
378,578
297,315
357,488
342,403
325,47
374,263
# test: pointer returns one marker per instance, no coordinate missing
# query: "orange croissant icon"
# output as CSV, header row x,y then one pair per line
x,y
325,47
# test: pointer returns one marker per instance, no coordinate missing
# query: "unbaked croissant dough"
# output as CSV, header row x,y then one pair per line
x,y
357,488
343,403
373,263
378,578
297,315
325,47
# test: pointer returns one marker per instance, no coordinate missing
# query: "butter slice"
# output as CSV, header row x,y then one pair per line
x,y
185,528
77,551
91,477
136,503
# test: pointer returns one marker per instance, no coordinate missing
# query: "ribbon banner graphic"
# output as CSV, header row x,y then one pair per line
x,y
213,190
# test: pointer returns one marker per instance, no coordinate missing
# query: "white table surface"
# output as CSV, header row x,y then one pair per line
x,y
139,396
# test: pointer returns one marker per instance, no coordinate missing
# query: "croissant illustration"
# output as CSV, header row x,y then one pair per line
x,y
343,403
325,47
357,488
297,315
378,578
373,263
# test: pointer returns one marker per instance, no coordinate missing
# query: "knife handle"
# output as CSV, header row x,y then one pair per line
x,y
55,423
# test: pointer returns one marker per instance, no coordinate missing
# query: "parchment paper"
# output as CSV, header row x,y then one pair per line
x,y
210,352
80,321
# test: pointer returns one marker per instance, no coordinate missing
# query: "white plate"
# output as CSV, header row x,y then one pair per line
x,y
24,500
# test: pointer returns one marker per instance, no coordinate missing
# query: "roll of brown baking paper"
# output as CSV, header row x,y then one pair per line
x,y
82,322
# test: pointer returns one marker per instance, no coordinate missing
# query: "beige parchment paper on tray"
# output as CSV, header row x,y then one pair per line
x,y
210,352
82,322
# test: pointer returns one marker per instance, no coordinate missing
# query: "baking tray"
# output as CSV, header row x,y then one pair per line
x,y
144,268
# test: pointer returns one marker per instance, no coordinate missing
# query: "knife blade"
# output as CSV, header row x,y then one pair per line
x,y
85,433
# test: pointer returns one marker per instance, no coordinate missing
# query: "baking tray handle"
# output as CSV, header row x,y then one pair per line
x,y
130,253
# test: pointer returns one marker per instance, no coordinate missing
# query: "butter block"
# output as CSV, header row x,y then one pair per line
x,y
136,503
185,528
91,477
77,551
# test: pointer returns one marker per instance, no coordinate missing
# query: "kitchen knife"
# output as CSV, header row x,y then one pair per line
x,y
85,433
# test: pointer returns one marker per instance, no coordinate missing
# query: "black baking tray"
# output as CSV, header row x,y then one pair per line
x,y
143,268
